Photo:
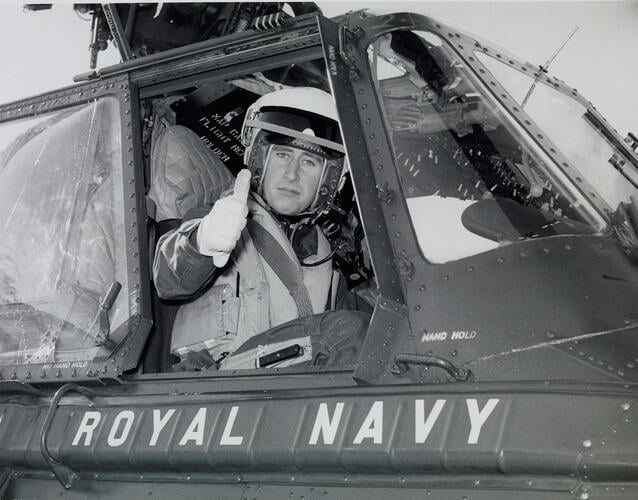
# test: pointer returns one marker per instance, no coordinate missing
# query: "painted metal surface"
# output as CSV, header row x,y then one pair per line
x,y
504,433
319,434
536,442
510,312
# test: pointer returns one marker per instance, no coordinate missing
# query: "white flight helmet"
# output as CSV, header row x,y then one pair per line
x,y
302,117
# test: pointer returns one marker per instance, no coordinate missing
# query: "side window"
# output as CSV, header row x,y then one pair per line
x,y
63,238
568,123
472,181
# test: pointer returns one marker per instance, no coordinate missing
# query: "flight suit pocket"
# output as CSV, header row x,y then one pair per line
x,y
210,322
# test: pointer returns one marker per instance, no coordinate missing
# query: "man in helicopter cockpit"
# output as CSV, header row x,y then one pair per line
x,y
257,264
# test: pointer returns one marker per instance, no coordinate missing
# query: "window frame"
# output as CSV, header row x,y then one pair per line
x,y
248,54
107,364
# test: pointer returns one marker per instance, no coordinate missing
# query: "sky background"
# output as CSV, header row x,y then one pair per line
x,y
43,50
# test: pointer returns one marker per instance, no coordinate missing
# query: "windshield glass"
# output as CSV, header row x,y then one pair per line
x,y
472,178
572,128
61,232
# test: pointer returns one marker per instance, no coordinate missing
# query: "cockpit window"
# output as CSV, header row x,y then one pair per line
x,y
62,232
472,178
571,127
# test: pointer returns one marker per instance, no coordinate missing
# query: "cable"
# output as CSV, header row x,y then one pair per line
x,y
319,262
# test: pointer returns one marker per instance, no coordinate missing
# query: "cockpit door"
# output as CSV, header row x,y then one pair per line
x,y
504,259
72,271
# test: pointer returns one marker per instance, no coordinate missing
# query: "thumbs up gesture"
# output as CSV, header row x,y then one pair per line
x,y
220,229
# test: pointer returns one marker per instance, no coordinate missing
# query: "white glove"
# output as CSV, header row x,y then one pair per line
x,y
220,229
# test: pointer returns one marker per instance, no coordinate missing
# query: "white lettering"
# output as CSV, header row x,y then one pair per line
x,y
158,424
372,426
478,417
463,335
221,155
219,119
195,431
90,421
422,429
325,425
434,336
227,439
128,416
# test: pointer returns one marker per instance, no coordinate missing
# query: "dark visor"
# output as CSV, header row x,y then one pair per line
x,y
322,127
286,140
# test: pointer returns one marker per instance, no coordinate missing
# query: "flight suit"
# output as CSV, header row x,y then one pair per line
x,y
244,298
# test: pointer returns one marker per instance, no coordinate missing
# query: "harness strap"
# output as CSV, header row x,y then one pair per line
x,y
279,261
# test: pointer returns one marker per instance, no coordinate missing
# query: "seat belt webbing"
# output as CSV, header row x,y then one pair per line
x,y
283,266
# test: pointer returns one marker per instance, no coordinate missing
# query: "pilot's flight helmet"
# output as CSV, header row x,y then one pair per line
x,y
305,118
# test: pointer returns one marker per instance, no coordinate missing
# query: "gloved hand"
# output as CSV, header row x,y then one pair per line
x,y
220,229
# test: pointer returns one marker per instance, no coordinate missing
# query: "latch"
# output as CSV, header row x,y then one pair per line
x,y
405,266
617,162
632,140
384,193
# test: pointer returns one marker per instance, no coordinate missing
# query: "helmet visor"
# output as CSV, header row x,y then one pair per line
x,y
295,124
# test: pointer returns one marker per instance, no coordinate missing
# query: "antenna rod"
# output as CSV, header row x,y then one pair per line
x,y
551,59
544,68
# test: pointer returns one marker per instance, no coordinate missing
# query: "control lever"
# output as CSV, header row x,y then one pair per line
x,y
101,320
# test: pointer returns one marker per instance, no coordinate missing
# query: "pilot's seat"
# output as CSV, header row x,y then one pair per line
x,y
185,175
